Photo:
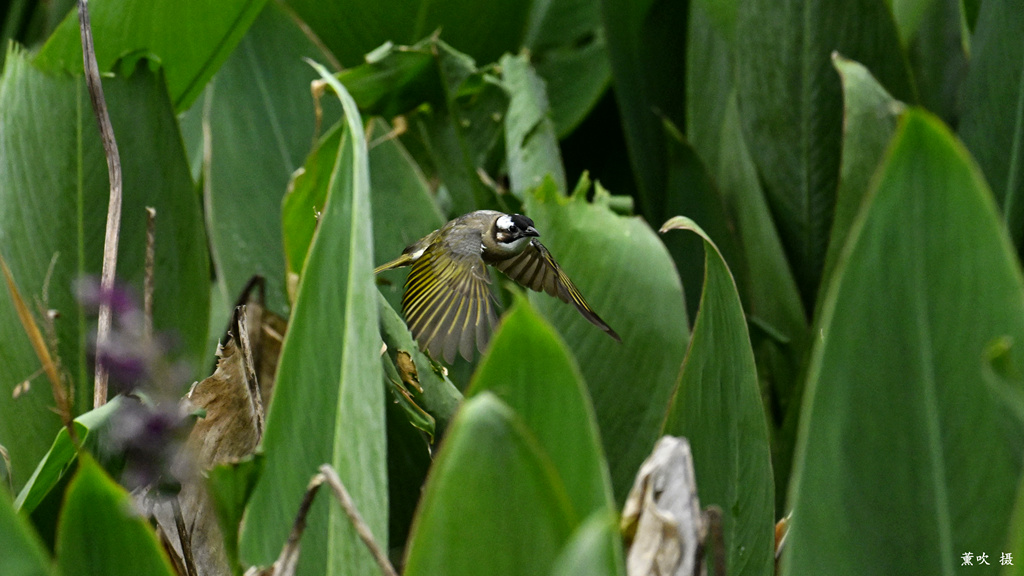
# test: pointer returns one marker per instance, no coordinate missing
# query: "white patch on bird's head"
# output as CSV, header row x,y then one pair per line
x,y
505,223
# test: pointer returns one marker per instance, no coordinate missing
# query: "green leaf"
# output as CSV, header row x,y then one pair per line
x,y
790,101
992,126
531,145
440,397
63,454
709,83
53,205
529,368
24,554
717,407
493,502
646,46
189,44
627,276
869,117
595,549
304,202
102,533
260,117
901,464
568,48
328,399
230,487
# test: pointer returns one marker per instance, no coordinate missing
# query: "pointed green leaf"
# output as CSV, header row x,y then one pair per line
x,y
628,278
230,487
190,44
869,120
791,106
493,502
62,455
992,126
24,554
718,408
646,44
260,117
328,399
595,549
102,533
53,206
902,463
531,146
529,368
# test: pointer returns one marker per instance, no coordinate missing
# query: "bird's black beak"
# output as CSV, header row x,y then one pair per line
x,y
530,231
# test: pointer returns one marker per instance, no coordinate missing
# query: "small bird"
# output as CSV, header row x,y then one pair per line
x,y
447,303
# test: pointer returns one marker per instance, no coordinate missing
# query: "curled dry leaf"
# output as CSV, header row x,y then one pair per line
x,y
230,430
662,514
407,370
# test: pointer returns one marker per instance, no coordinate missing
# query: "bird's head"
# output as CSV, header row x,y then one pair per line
x,y
512,232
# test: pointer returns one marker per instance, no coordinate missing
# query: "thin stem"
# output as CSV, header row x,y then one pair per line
x,y
148,283
357,521
113,231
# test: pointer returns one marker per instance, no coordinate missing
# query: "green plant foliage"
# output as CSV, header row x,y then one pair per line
x,y
190,44
646,47
100,531
530,142
458,116
791,104
628,278
230,487
24,554
62,455
328,399
717,407
493,503
993,110
53,204
901,464
530,369
869,117
595,549
260,117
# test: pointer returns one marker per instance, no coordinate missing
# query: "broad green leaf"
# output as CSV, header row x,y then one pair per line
x,y
63,454
774,311
902,463
531,145
1015,541
909,15
304,202
628,278
190,44
230,487
717,407
53,205
646,45
24,554
260,116
992,126
328,400
869,120
440,397
569,50
101,532
530,368
939,59
790,101
595,549
493,502
709,83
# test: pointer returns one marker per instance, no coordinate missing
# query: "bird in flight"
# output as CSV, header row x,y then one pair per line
x,y
447,303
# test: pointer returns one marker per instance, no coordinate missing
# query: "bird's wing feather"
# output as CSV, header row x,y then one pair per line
x,y
536,269
447,302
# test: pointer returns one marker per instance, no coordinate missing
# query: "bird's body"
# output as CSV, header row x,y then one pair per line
x,y
447,302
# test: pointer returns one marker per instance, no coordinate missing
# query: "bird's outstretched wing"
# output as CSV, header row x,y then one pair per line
x,y
447,302
536,269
